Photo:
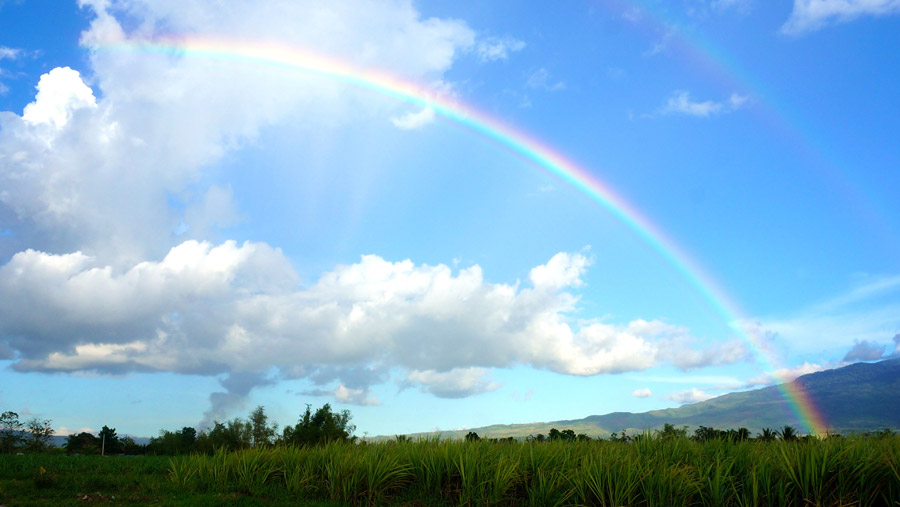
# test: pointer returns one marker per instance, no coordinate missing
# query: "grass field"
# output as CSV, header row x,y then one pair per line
x,y
649,471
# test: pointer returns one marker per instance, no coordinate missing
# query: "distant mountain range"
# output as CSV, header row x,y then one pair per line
x,y
855,398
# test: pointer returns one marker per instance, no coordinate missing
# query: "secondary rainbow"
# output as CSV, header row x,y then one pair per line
x,y
298,60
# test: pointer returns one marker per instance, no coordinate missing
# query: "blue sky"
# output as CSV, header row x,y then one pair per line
x,y
182,239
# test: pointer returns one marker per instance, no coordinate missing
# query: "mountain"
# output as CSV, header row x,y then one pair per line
x,y
854,398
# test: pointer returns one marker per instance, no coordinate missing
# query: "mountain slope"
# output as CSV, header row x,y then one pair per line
x,y
858,397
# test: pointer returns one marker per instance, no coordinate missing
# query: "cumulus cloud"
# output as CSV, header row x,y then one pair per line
x,y
680,103
809,15
692,395
456,383
60,93
124,149
642,393
864,351
497,48
239,309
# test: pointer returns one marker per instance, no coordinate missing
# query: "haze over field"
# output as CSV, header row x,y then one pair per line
x,y
439,214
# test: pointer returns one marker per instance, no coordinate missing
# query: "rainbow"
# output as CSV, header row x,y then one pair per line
x,y
298,60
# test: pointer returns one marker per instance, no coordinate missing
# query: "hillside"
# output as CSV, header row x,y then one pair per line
x,y
858,397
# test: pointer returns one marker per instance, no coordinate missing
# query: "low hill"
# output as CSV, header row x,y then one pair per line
x,y
855,398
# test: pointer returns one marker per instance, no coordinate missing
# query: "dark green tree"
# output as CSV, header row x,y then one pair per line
x,y
82,443
10,432
109,441
188,438
472,437
767,435
322,426
787,433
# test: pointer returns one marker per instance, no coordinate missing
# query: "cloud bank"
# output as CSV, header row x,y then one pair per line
x,y
212,309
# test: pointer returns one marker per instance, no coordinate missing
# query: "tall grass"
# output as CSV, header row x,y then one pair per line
x,y
648,472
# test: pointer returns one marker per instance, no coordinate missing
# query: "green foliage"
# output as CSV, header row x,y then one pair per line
x,y
322,427
651,471
37,434
10,432
82,443
261,432
109,441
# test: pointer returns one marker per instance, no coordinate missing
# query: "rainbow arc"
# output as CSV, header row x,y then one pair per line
x,y
298,60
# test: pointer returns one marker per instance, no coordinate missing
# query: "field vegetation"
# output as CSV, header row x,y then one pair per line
x,y
319,462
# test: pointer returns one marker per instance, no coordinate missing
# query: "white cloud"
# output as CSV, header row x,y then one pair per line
x,y
414,120
208,309
456,383
61,93
680,103
9,53
157,122
63,431
783,375
642,393
563,270
361,396
692,395
497,48
809,15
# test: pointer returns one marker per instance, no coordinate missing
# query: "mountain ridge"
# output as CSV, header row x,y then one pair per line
x,y
854,398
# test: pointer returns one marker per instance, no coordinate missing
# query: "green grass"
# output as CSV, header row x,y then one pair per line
x,y
852,471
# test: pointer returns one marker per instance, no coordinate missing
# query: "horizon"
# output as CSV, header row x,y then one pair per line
x,y
439,215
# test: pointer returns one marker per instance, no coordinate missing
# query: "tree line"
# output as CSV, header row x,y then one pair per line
x,y
313,427
32,435
255,431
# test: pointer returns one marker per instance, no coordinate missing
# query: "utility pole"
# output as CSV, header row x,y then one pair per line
x,y
103,446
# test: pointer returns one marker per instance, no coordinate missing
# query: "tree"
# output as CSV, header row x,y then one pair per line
x,y
323,426
767,435
10,432
37,434
787,433
670,432
188,438
109,442
261,431
705,434
82,443
472,437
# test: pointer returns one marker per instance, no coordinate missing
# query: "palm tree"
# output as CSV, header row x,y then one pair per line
x,y
767,435
788,433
